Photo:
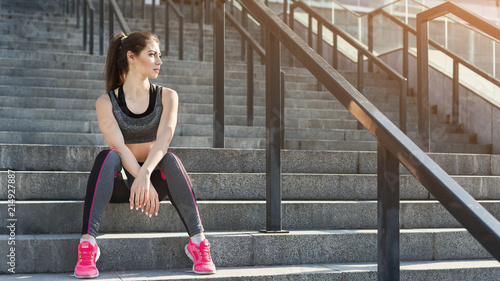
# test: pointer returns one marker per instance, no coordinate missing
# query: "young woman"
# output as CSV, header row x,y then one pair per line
x,y
137,120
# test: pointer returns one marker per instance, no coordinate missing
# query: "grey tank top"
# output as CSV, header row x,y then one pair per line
x,y
142,129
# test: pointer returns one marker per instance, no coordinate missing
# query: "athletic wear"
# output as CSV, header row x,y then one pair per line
x,y
106,184
123,104
87,257
201,257
139,128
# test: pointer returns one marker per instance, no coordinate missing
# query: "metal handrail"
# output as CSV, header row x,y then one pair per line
x,y
180,16
362,51
394,147
423,60
114,10
87,4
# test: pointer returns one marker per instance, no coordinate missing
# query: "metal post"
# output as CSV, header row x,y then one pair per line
x,y
84,9
285,11
124,4
111,21
370,40
181,5
291,23
387,214
201,23
282,109
153,16
273,135
132,8
319,46
423,83
244,23
143,9
406,53
250,86
309,31
167,28
219,34
402,105
101,28
335,52
456,86
181,37
78,8
91,43
361,78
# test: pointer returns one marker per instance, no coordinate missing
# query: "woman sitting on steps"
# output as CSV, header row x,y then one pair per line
x,y
137,120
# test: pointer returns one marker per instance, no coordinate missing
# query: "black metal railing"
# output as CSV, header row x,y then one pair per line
x,y
393,147
362,52
180,17
423,60
457,59
88,6
114,11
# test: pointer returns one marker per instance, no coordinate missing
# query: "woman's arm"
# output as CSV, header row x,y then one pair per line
x,y
166,128
113,136
141,194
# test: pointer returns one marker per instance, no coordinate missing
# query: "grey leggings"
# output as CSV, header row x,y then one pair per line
x,y
106,185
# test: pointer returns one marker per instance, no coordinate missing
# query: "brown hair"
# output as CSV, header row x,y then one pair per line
x,y
116,61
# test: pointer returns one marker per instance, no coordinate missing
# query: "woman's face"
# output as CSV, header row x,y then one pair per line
x,y
149,60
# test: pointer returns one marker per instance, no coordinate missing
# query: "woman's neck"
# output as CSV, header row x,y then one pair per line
x,y
136,87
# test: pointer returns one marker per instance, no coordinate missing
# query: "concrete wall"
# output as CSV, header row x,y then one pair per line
x,y
476,114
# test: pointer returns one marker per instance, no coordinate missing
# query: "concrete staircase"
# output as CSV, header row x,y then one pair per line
x,y
49,138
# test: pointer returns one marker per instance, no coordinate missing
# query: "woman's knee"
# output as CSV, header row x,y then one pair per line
x,y
110,158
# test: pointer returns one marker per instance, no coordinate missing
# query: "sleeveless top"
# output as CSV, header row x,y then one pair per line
x,y
138,128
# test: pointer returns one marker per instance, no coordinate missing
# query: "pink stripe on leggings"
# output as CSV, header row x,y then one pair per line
x,y
187,181
92,205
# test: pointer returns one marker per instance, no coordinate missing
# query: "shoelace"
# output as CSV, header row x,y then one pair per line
x,y
205,254
81,259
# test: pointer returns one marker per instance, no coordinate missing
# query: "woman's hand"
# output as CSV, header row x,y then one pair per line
x,y
153,204
139,192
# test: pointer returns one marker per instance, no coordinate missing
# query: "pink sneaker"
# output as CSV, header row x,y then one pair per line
x,y
200,255
87,256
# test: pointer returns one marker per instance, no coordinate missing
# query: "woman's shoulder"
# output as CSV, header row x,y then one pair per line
x,y
103,100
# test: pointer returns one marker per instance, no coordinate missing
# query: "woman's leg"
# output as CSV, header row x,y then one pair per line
x,y
180,193
99,190
182,196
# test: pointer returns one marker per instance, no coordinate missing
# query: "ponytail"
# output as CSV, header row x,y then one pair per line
x,y
116,61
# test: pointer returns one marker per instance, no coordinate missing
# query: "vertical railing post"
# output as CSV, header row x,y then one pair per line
x,y
244,23
335,52
181,37
167,28
402,104
273,135
291,23
153,12
218,62
423,82
285,11
181,5
282,109
132,8
387,215
250,87
91,41
456,85
84,9
111,23
361,78
143,9
370,40
309,31
124,7
201,23
78,8
101,27
406,53
319,47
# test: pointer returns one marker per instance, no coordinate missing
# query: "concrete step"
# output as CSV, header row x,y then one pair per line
x,y
53,185
80,158
245,248
479,270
